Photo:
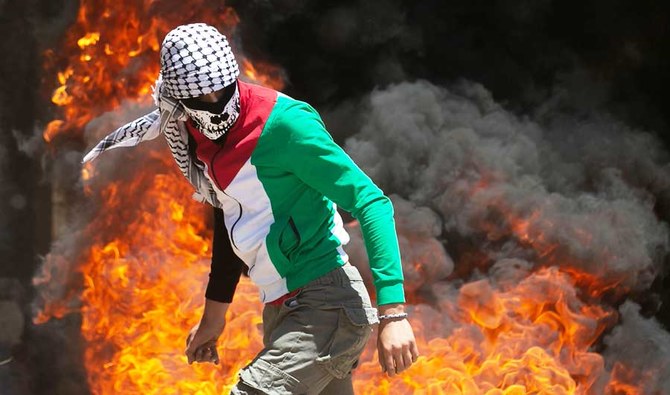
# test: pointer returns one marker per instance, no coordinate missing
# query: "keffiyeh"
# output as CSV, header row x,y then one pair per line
x,y
195,60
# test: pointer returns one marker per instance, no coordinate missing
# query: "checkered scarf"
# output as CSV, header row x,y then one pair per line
x,y
195,60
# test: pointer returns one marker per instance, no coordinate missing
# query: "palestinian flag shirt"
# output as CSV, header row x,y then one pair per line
x,y
280,177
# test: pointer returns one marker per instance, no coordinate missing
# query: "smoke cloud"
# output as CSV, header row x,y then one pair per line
x,y
640,342
547,189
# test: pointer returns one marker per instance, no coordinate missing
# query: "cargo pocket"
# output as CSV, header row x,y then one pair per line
x,y
269,379
340,354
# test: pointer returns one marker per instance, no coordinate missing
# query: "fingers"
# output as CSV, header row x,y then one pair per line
x,y
201,346
387,361
190,353
198,350
402,359
389,364
211,355
204,353
395,361
406,357
397,347
414,349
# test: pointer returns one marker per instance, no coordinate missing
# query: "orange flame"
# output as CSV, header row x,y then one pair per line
x,y
143,290
116,56
146,263
533,338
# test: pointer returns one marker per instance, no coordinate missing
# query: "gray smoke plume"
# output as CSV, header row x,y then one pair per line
x,y
641,343
421,249
551,189
567,193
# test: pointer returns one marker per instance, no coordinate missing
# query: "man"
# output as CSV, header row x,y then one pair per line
x,y
275,178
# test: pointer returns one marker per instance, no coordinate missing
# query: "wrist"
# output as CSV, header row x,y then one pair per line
x,y
391,313
214,313
392,308
392,317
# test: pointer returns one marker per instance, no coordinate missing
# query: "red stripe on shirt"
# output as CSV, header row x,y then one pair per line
x,y
224,162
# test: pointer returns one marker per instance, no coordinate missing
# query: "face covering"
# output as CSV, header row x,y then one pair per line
x,y
214,120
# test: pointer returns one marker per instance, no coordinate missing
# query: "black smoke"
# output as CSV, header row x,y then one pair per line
x,y
610,54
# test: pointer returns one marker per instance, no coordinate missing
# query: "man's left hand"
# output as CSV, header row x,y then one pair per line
x,y
395,344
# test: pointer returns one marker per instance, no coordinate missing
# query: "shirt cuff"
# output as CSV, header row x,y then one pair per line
x,y
390,293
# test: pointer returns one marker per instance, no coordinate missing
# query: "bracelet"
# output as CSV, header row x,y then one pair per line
x,y
392,316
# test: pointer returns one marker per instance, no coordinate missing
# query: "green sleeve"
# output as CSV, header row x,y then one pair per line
x,y
312,155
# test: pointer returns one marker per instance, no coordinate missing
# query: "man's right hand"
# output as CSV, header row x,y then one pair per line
x,y
201,341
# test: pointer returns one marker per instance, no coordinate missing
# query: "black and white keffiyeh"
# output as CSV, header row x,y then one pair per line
x,y
195,60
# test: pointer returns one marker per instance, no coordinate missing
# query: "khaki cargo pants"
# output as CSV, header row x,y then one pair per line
x,y
314,339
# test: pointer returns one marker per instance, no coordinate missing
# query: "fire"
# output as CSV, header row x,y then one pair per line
x,y
530,338
143,291
145,262
264,73
113,56
88,39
